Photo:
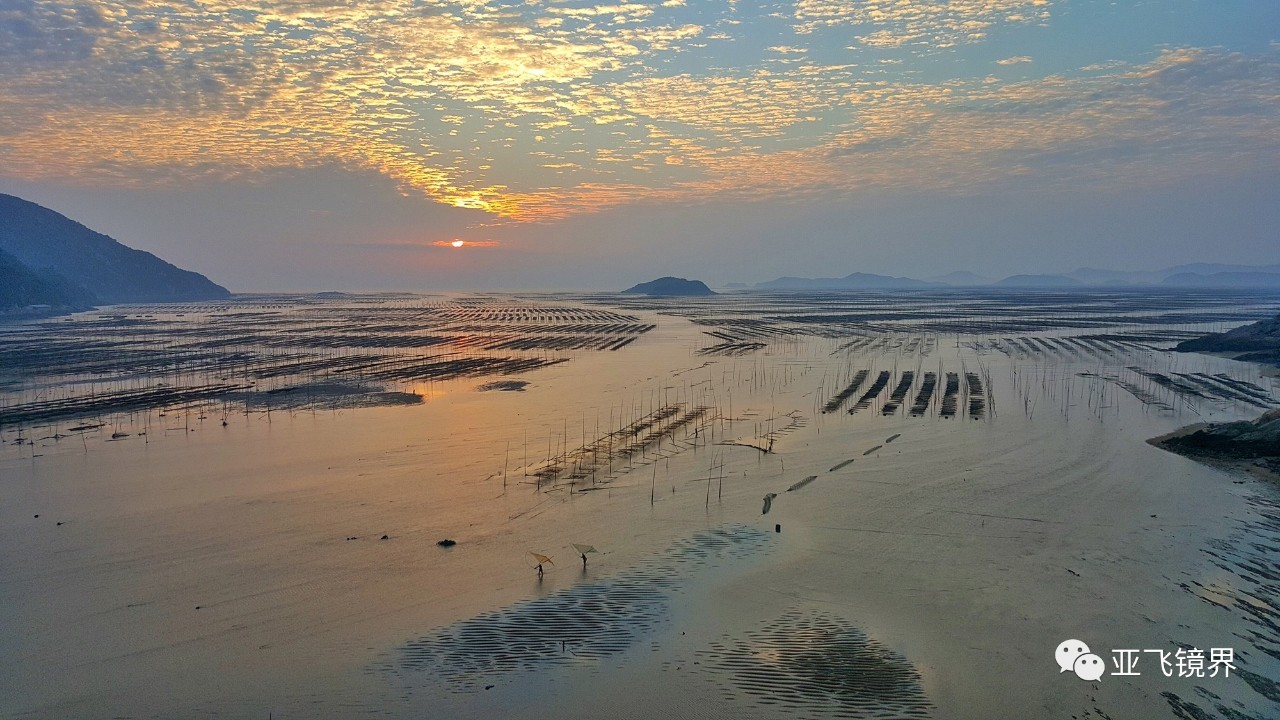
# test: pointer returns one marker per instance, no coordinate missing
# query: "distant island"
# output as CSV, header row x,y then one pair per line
x,y
1039,281
852,281
51,263
1196,275
670,287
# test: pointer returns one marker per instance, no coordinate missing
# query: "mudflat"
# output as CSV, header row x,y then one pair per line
x,y
854,505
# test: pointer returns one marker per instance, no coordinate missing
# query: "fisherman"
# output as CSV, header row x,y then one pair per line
x,y
539,571
584,562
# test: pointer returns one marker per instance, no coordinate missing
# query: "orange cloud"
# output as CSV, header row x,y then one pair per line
x,y
535,112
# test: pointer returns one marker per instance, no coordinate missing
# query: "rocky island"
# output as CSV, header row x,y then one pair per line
x,y
1252,445
670,287
1255,342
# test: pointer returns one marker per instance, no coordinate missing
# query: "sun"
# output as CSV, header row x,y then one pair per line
x,y
459,243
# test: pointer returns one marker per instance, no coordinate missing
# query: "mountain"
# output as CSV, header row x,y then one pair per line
x,y
852,281
1224,280
670,287
1039,281
88,264
1192,275
961,278
1212,268
1096,276
20,287
1196,275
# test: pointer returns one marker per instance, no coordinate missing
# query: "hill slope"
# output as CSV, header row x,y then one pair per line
x,y
56,248
21,287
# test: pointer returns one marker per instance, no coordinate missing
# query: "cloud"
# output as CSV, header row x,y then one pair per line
x,y
535,112
1018,60
46,32
1186,113
759,105
900,22
154,91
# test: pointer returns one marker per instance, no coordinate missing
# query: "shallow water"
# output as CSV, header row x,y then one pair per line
x,y
927,565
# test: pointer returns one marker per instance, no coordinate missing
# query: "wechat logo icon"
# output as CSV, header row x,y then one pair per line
x,y
1074,655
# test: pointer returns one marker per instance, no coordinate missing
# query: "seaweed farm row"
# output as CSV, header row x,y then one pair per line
x,y
1123,338
886,344
284,352
926,398
259,353
1169,390
661,433
1086,346
910,321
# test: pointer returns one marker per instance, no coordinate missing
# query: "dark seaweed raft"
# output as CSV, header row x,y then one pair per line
x,y
977,398
899,393
258,353
872,392
949,396
732,349
834,403
925,396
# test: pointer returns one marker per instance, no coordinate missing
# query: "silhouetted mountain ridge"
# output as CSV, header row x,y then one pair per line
x,y
1039,281
73,265
852,281
1224,280
1196,275
22,287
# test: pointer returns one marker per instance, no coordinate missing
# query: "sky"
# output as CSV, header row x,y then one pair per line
x,y
330,144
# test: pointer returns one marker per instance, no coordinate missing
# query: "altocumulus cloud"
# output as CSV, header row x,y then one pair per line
x,y
536,112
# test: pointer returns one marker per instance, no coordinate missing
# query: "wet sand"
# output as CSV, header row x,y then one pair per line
x,y
926,566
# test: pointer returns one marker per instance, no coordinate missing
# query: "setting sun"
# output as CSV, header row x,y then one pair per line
x,y
458,243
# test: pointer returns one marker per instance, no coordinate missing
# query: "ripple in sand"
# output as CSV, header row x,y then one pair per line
x,y
814,664
582,624
1253,594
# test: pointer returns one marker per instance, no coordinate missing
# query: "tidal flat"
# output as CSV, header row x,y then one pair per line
x,y
802,505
